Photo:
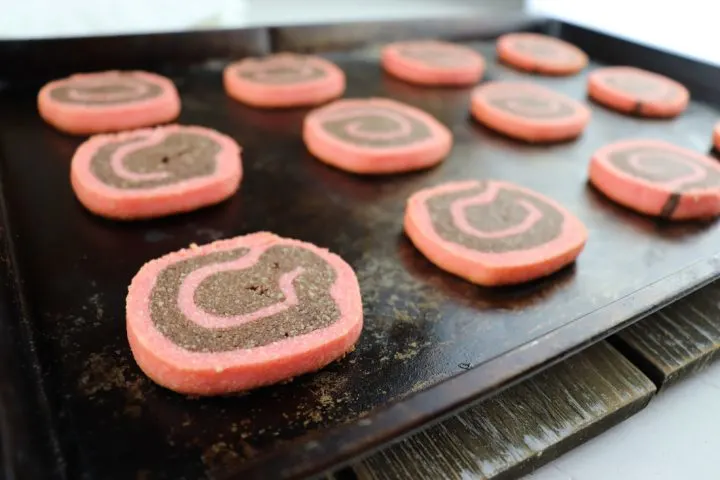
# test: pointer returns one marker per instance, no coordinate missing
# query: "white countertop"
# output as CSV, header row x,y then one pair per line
x,y
674,438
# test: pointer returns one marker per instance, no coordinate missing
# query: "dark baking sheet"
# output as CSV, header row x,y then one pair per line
x,y
432,343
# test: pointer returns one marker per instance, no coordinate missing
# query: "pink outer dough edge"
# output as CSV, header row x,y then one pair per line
x,y
184,196
525,128
626,102
217,373
508,53
89,119
284,96
647,197
492,269
388,160
421,73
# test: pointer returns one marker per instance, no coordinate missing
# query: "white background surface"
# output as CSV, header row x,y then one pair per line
x,y
678,436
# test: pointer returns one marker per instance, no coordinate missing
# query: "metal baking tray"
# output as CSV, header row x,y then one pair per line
x,y
75,405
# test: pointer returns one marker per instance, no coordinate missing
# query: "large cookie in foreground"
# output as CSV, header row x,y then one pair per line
x,y
432,62
538,53
284,80
155,172
375,136
528,112
493,233
110,101
240,313
637,91
658,178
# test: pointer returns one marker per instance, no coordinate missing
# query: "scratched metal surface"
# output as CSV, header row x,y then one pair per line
x,y
423,326
522,428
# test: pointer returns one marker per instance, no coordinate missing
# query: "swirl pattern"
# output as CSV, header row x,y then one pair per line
x,y
491,218
533,105
105,90
547,49
643,86
155,159
667,168
437,54
281,69
374,126
243,298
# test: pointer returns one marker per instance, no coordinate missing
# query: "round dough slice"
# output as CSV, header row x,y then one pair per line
x,y
528,112
155,172
433,63
658,178
375,136
284,80
111,101
636,91
538,53
241,313
493,233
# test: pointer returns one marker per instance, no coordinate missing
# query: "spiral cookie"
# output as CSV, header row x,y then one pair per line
x,y
658,178
284,80
240,313
537,53
108,102
632,90
375,136
528,112
154,172
716,137
492,232
431,62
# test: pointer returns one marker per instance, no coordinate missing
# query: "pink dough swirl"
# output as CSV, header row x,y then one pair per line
x,y
356,120
91,89
654,162
457,210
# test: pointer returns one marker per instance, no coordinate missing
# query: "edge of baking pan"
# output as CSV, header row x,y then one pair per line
x,y
42,60
321,452
701,78
349,35
28,439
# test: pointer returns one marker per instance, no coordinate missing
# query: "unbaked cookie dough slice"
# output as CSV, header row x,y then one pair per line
x,y
375,136
632,90
241,313
528,112
658,178
110,101
538,53
433,63
155,172
493,233
284,80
